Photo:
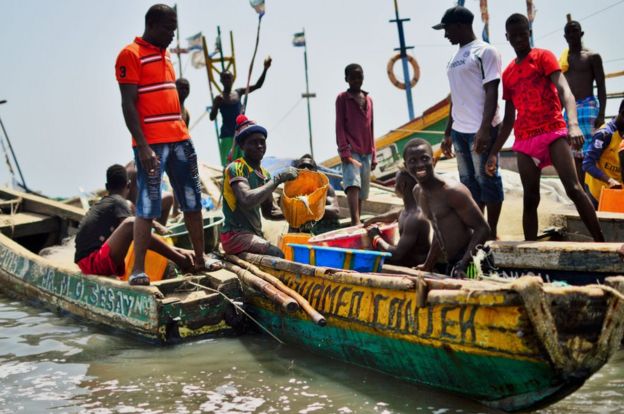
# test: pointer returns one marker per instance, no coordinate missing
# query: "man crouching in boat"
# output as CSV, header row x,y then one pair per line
x,y
105,233
414,228
247,190
458,223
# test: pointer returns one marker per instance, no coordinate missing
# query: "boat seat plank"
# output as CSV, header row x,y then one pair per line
x,y
551,255
26,224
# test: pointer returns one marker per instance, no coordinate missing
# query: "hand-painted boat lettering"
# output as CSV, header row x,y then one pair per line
x,y
467,324
329,293
376,301
355,304
340,302
446,323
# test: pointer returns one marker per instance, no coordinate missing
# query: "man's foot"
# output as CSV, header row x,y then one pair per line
x,y
139,279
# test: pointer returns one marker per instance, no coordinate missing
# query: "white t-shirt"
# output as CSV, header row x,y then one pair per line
x,y
474,65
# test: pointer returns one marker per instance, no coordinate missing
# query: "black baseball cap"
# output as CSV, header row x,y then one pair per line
x,y
457,14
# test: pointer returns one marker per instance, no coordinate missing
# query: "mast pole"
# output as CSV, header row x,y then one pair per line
x,y
403,52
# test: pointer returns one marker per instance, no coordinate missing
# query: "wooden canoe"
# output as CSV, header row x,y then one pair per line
x,y
512,346
165,312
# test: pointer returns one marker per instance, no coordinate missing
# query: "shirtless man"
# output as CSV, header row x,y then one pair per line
x,y
229,103
584,68
414,228
458,223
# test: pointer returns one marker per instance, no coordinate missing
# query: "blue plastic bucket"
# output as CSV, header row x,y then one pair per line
x,y
352,259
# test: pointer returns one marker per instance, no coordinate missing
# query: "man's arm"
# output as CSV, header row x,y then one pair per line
x,y
129,96
590,160
599,75
344,149
270,210
387,217
260,82
216,104
250,198
503,134
461,201
575,136
407,242
447,143
482,138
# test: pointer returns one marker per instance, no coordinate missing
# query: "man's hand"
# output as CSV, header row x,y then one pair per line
x,y
267,62
160,229
149,160
373,166
490,165
459,271
599,121
447,146
613,183
373,231
575,137
287,174
481,140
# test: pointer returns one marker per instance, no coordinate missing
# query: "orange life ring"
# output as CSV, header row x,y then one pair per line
x,y
415,69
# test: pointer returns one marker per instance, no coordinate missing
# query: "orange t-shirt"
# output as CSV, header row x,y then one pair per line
x,y
150,68
527,84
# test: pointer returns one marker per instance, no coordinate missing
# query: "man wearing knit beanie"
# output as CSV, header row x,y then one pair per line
x,y
247,191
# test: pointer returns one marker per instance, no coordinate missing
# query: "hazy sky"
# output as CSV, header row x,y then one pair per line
x,y
64,116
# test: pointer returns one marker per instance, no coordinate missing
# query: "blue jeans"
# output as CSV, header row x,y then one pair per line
x,y
471,166
179,160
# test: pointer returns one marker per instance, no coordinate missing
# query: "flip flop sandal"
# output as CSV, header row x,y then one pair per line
x,y
139,279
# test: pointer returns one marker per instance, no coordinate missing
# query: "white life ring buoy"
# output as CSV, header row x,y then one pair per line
x,y
415,70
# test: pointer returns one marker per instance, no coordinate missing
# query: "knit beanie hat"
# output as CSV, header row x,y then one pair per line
x,y
246,127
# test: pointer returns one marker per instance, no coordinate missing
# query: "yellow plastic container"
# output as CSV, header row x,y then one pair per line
x,y
304,198
611,199
155,264
297,238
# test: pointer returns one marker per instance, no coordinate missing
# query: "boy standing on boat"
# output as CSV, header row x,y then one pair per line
x,y
602,161
534,86
582,67
161,140
474,74
414,228
356,142
248,192
458,223
105,233
229,103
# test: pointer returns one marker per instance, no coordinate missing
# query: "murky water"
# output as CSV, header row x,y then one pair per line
x,y
55,364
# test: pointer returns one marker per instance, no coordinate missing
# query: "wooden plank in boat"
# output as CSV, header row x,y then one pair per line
x,y
36,204
26,224
612,225
550,255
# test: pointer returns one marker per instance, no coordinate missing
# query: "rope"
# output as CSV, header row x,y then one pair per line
x,y
274,127
237,307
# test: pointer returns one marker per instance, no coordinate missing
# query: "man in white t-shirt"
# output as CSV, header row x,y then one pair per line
x,y
474,74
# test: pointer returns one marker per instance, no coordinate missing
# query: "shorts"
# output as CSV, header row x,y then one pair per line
x,y
353,176
235,242
179,160
471,166
101,263
587,111
538,147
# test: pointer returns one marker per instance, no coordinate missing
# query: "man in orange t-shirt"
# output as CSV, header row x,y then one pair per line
x,y
534,87
161,140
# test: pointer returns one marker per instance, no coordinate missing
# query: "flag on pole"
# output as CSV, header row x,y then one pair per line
x,y
531,11
258,6
195,42
299,39
485,17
